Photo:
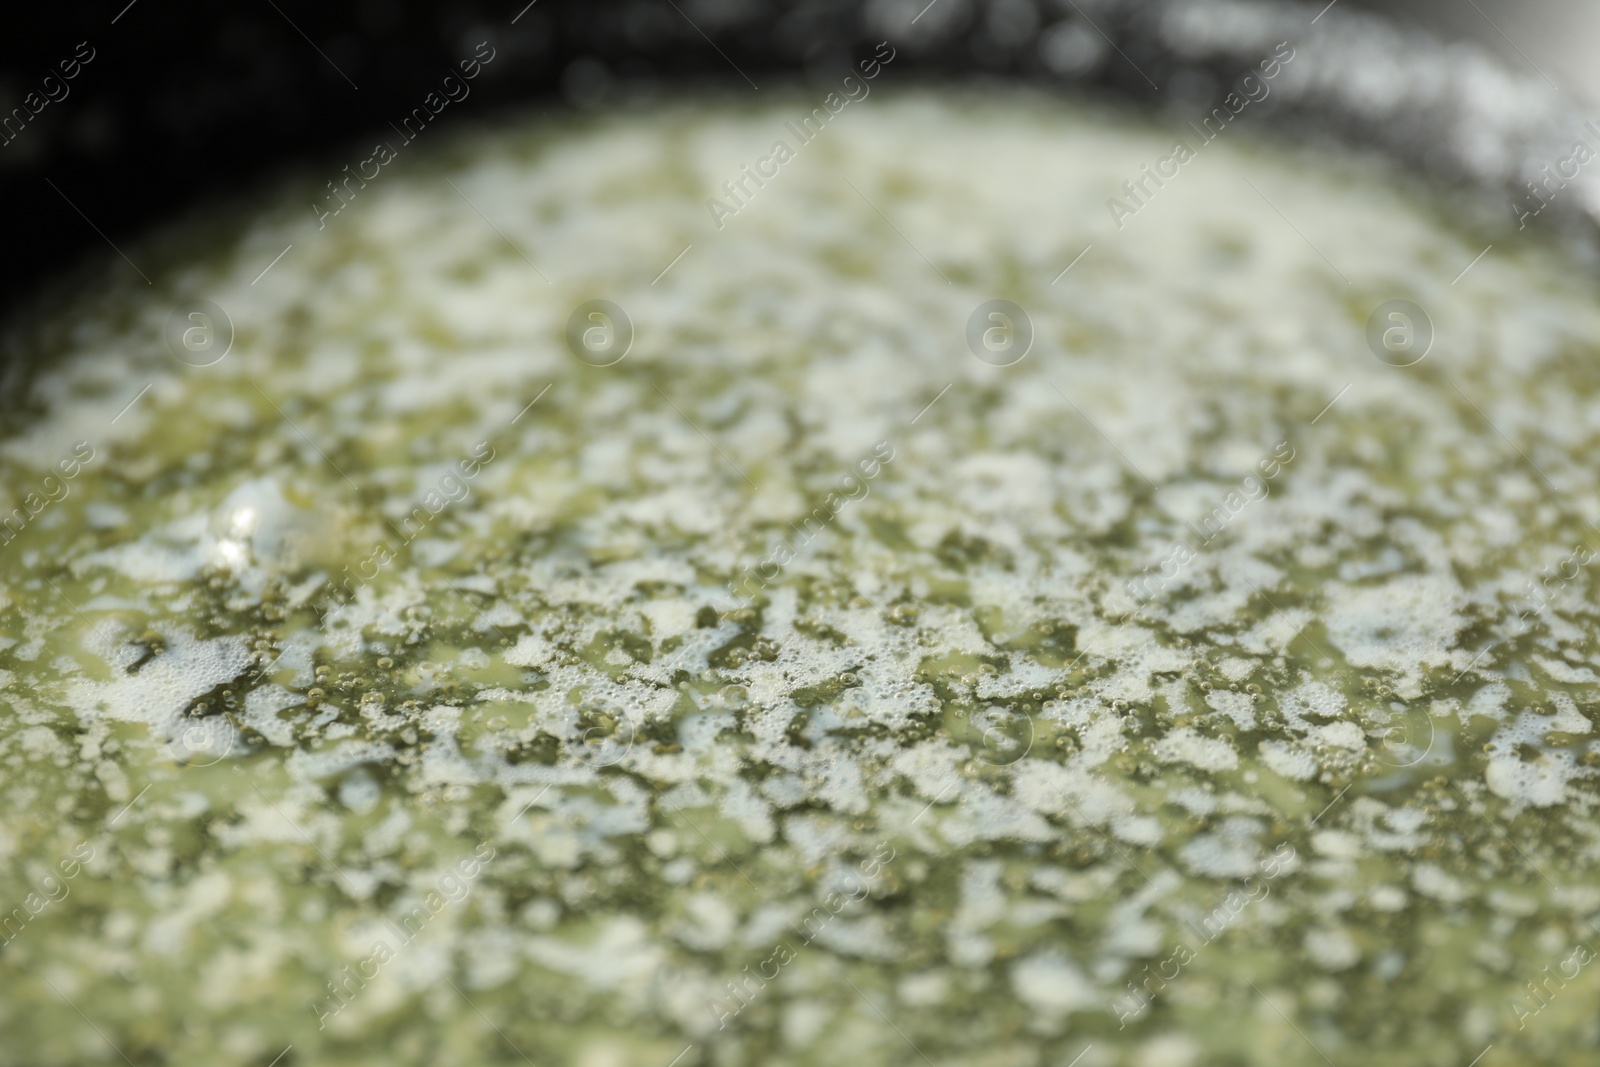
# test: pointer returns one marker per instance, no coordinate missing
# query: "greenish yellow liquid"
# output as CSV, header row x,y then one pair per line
x,y
404,688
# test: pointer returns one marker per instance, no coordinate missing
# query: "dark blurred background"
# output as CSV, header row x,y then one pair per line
x,y
183,102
